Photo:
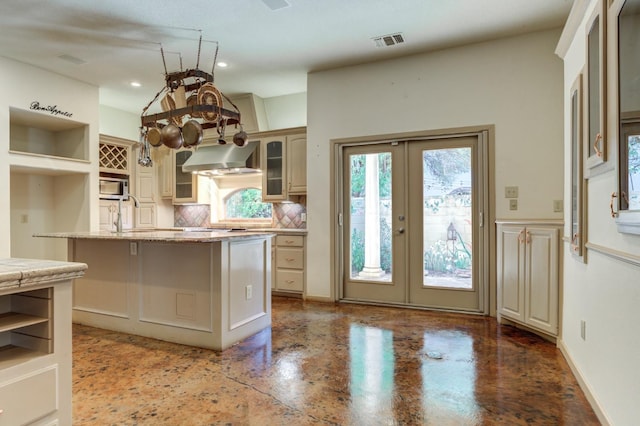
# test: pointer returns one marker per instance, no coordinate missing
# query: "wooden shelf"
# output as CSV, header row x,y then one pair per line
x,y
11,321
11,355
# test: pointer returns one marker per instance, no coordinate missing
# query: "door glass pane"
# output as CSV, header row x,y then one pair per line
x,y
447,225
633,164
370,217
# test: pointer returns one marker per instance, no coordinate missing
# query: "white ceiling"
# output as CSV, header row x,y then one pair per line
x,y
269,51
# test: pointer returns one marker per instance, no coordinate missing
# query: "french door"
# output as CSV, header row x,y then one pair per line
x,y
412,228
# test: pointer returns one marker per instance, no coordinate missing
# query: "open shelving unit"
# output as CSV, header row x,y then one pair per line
x,y
25,326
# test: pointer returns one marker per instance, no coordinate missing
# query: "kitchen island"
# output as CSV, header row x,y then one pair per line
x,y
35,340
209,289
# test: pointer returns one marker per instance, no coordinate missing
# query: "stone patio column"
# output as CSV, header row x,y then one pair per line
x,y
371,220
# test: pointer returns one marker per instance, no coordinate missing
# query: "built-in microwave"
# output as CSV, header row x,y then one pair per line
x,y
114,188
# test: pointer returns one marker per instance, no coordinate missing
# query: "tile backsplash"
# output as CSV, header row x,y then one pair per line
x,y
289,215
285,215
194,215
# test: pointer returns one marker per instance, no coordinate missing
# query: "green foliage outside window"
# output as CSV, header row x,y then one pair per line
x,y
247,204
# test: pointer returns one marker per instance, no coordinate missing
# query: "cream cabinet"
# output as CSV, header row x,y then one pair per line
x,y
297,164
115,155
145,191
188,188
284,164
274,168
164,168
109,215
35,343
289,274
528,259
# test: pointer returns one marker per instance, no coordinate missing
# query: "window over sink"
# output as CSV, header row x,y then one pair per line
x,y
238,199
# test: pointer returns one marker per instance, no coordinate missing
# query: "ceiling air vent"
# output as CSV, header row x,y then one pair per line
x,y
388,40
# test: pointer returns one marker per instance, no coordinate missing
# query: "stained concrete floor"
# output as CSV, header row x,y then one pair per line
x,y
331,364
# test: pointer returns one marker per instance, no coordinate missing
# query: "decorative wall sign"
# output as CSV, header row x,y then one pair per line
x,y
52,109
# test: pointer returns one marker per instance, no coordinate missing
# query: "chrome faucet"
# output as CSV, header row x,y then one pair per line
x,y
118,222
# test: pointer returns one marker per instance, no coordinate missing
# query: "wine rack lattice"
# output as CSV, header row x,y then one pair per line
x,y
113,157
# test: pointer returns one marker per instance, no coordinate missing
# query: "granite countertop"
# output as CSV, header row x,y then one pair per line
x,y
16,272
194,235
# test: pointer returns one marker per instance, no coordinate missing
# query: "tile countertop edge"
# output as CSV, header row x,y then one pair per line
x,y
18,272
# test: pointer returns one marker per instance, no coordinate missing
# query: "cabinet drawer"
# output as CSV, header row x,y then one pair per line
x,y
290,240
290,258
28,398
289,280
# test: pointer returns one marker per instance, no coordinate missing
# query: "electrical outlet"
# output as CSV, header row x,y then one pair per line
x,y
511,192
583,329
513,204
133,249
557,206
303,217
248,292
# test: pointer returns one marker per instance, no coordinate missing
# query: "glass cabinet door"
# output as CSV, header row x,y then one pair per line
x,y
273,169
184,182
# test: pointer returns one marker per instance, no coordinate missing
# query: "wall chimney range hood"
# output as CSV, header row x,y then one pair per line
x,y
216,160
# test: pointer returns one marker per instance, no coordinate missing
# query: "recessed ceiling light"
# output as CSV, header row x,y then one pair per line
x,y
135,84
223,64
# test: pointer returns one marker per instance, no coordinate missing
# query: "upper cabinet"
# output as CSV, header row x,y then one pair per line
x,y
297,164
595,87
274,168
115,155
284,165
188,188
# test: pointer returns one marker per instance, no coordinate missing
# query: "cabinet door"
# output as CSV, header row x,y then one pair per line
x,y
106,210
165,173
297,164
184,190
542,278
145,183
274,169
146,215
511,257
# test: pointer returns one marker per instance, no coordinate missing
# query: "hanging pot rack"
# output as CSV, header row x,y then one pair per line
x,y
174,80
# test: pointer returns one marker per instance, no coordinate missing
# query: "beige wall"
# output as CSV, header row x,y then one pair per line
x,y
21,85
514,84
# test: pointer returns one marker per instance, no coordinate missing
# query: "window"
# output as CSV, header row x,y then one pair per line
x,y
246,203
628,43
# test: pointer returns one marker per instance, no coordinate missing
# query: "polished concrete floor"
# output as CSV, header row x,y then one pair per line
x,y
326,364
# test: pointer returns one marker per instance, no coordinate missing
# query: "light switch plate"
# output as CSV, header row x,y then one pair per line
x,y
511,192
557,206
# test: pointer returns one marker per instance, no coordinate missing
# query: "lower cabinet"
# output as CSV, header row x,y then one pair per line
x,y
35,356
109,215
528,259
289,276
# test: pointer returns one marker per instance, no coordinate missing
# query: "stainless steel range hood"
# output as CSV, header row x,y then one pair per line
x,y
224,159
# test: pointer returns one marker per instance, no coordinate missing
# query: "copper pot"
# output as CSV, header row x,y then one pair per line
x,y
154,136
192,133
240,138
172,136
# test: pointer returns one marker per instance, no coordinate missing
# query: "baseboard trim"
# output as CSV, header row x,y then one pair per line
x,y
318,299
584,385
